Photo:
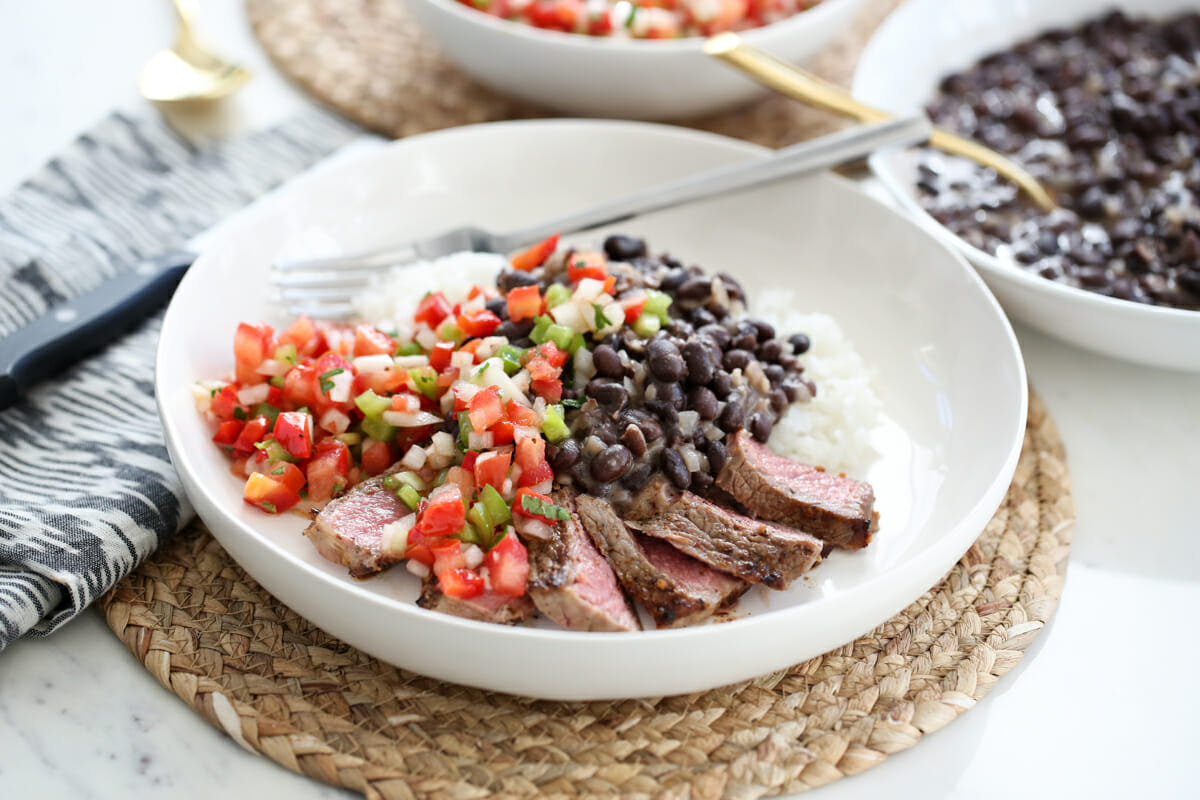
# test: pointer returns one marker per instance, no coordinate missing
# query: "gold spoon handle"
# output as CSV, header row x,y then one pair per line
x,y
808,88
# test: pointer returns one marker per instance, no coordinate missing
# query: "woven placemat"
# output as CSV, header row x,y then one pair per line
x,y
280,686
368,60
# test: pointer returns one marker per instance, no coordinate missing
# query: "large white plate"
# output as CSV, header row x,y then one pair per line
x,y
949,371
932,38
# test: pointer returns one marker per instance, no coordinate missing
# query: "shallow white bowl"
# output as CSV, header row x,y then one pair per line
x,y
949,372
932,38
601,77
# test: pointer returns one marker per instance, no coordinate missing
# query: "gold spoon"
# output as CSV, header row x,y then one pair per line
x,y
188,72
808,88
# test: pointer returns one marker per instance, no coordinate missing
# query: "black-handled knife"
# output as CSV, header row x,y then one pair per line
x,y
87,323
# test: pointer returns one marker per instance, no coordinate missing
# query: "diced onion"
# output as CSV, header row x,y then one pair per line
x,y
411,362
253,395
688,420
417,568
342,382
462,359
491,373
481,441
544,487
443,443
415,458
202,394
426,338
410,419
488,347
272,367
585,368
395,535
334,421
473,556
528,526
411,402
365,365
570,315
691,458
588,290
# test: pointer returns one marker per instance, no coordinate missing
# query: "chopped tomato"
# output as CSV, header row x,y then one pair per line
x,y
288,474
384,382
485,408
252,345
447,554
293,430
445,515
633,306
228,431
252,432
531,450
439,359
586,265
508,566
522,415
492,468
536,255
502,433
328,470
301,387
268,494
469,459
532,477
479,324
305,335
461,583
550,391
370,341
432,309
524,302
464,479
225,402
377,457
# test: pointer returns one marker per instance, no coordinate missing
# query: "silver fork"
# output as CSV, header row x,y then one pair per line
x,y
325,287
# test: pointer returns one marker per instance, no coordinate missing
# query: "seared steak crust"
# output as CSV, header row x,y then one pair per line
x,y
487,607
349,530
835,508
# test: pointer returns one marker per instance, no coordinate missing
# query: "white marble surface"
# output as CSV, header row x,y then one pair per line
x,y
1103,705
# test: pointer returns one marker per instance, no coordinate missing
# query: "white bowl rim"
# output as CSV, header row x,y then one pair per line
x,y
946,549
618,44
881,164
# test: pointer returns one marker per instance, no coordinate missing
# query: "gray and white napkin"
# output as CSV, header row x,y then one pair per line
x,y
86,489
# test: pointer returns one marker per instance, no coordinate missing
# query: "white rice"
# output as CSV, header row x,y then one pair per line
x,y
833,430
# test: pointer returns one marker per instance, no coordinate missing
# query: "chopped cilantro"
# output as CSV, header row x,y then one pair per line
x,y
601,320
239,413
269,507
540,508
326,383
571,402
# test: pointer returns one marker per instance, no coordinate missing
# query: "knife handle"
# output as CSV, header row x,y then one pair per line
x,y
85,324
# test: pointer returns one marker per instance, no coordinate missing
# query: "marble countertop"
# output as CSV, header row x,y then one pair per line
x,y
1101,706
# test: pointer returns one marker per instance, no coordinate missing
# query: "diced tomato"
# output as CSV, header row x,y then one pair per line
x,y
502,433
522,415
252,345
550,391
479,324
224,402
485,409
508,567
445,514
531,450
586,265
370,341
536,255
301,387
228,431
524,302
439,359
328,470
419,552
464,479
469,459
384,382
305,335
542,370
288,474
447,554
599,25
432,309
268,494
461,583
492,468
377,457
537,474
633,306
293,430
253,431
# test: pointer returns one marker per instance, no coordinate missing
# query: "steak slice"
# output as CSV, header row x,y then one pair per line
x,y
349,530
753,550
835,508
487,607
675,588
571,583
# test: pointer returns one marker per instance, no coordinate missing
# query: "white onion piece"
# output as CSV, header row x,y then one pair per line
x,y
463,360
691,458
443,443
365,365
570,315
415,458
490,346
426,338
410,419
334,421
480,441
544,487
202,394
473,556
272,367
417,568
585,367
253,395
342,383
527,526
395,534
588,290
688,420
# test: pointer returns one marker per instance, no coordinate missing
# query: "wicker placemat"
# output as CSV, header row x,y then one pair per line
x,y
369,61
280,686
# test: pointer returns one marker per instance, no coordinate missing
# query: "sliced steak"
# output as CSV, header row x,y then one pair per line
x,y
571,583
675,588
753,550
349,530
487,607
835,508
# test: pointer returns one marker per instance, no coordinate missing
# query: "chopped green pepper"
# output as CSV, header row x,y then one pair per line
x,y
494,506
556,295
657,304
448,331
379,430
266,410
278,381
646,325
371,404
274,450
464,430
426,380
553,426
409,496
286,353
410,349
511,358
541,324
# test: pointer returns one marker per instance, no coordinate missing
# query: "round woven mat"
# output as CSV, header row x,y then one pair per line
x,y
369,61
278,685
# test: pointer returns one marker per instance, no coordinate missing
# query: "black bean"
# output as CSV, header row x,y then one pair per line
x,y
703,402
673,467
649,426
701,481
638,476
716,456
510,279
566,455
770,350
498,306
665,411
779,401
732,287
610,394
611,463
760,426
694,289
672,278
737,359
702,317
746,337
666,364
514,330
775,373
800,343
624,248
733,416
765,329
699,363
722,384
716,333
634,440
607,362
681,329
670,393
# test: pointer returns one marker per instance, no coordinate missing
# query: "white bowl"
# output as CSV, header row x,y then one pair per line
x,y
949,372
627,78
932,38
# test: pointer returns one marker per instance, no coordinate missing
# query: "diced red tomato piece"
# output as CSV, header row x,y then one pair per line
x,y
252,432
552,353
301,387
252,345
377,457
522,415
447,554
524,302
293,430
384,382
224,402
492,468
536,255
228,431
550,391
587,265
508,566
485,408
478,324
288,474
370,341
268,494
540,472
469,459
445,514
305,335
419,552
531,450
439,359
461,583
328,470
432,309
633,306
502,433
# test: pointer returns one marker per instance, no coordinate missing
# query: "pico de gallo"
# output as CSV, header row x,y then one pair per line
x,y
643,19
452,418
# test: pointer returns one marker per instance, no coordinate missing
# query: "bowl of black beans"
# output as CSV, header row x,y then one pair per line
x,y
1100,102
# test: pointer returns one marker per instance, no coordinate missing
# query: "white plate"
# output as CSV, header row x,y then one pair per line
x,y
932,38
949,372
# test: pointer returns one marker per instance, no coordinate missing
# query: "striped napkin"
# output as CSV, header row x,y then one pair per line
x,y
86,489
